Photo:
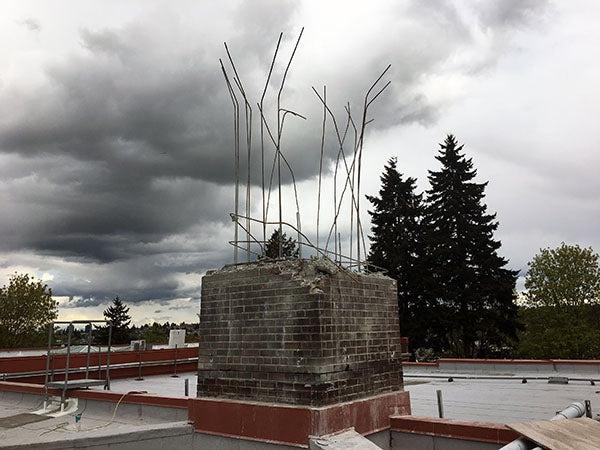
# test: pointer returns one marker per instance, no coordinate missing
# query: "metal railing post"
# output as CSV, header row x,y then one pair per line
x,y
175,365
89,343
440,403
107,385
67,365
140,377
588,409
48,355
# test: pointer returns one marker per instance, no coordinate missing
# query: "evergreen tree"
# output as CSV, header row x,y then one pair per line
x,y
470,294
289,249
396,244
118,314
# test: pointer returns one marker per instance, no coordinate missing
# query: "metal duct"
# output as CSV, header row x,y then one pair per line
x,y
572,411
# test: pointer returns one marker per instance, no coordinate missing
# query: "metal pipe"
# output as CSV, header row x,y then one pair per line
x,y
574,410
440,403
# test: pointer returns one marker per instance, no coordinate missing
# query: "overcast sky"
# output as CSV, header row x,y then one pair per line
x,y
115,127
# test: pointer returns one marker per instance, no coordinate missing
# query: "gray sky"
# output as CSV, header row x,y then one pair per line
x,y
115,126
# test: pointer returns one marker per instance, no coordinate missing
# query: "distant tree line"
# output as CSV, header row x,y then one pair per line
x,y
456,296
123,332
561,308
27,308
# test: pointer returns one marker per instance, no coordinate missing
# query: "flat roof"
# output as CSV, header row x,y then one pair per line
x,y
499,401
97,419
163,385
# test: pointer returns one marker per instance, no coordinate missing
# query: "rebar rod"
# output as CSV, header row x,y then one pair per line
x,y
282,156
306,242
353,178
236,152
360,151
321,159
278,147
262,146
248,127
340,152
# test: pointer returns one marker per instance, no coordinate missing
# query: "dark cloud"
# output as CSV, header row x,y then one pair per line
x,y
120,160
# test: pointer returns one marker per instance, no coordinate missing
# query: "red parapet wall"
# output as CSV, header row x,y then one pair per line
x,y
266,422
117,372
540,362
98,395
169,356
291,424
454,429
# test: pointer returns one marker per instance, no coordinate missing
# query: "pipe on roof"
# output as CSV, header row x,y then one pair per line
x,y
574,410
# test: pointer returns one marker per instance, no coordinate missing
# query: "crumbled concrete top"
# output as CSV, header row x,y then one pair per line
x,y
309,272
307,268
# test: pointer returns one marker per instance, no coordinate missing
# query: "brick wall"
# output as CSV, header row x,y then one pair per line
x,y
299,332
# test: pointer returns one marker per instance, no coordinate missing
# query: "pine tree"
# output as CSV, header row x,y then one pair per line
x,y
396,244
289,249
470,294
118,315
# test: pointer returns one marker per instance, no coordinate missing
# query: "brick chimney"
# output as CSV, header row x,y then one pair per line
x,y
299,332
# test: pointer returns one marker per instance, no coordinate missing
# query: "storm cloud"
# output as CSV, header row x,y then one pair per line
x,y
116,145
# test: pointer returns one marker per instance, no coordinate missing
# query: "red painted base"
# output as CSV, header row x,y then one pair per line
x,y
294,425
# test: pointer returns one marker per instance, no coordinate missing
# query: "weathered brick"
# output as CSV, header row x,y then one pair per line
x,y
288,332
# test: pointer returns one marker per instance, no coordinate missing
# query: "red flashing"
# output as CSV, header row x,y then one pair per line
x,y
139,399
496,361
588,362
15,364
107,396
25,388
366,416
469,431
420,364
293,425
582,362
256,421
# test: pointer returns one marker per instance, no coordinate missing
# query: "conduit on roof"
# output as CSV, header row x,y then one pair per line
x,y
572,411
